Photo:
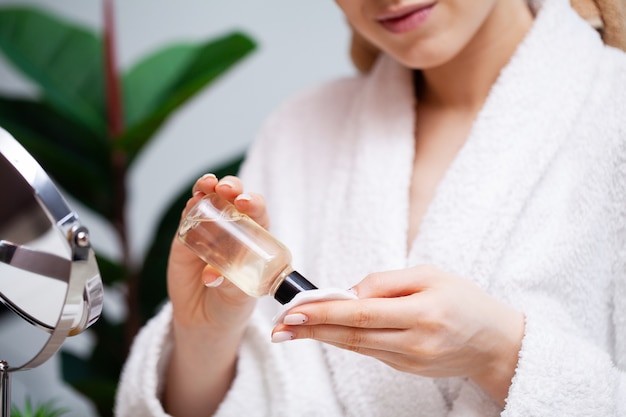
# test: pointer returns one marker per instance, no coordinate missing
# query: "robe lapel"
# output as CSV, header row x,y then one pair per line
x,y
367,206
523,124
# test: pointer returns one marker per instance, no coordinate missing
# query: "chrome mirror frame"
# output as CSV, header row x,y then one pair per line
x,y
84,294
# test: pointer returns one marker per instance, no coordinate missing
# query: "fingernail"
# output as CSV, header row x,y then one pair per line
x,y
216,283
226,183
244,197
353,291
280,337
209,175
295,319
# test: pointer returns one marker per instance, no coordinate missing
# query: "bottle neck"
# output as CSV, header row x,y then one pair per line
x,y
290,283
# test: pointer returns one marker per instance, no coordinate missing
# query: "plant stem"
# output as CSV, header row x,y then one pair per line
x,y
115,109
119,166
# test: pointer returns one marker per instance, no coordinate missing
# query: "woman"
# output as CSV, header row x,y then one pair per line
x,y
477,207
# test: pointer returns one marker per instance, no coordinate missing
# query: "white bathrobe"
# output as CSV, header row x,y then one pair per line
x,y
533,209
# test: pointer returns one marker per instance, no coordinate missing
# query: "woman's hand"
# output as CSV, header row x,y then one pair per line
x,y
419,320
209,314
200,297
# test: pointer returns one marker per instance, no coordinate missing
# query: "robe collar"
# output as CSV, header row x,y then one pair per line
x,y
525,120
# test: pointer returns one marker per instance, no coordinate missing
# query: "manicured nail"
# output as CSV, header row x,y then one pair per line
x,y
244,197
295,319
226,183
216,283
209,175
280,337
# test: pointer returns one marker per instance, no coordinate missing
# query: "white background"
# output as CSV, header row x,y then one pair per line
x,y
301,43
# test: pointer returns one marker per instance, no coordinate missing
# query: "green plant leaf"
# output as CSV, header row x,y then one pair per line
x,y
73,156
47,409
162,82
111,272
152,280
64,59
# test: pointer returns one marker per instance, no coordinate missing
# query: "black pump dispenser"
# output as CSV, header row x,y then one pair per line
x,y
292,285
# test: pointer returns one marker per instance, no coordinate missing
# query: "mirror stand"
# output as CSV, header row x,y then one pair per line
x,y
5,387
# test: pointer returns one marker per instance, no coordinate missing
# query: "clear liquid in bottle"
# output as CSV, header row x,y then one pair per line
x,y
240,249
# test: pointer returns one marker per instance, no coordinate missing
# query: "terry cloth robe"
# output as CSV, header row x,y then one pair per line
x,y
533,209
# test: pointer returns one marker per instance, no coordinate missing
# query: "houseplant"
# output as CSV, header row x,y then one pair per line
x,y
47,409
87,126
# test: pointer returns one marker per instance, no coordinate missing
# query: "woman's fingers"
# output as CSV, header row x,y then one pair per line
x,y
205,184
354,339
372,313
211,277
397,283
230,188
253,205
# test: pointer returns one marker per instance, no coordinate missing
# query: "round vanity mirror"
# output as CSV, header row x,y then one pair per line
x,y
25,226
48,273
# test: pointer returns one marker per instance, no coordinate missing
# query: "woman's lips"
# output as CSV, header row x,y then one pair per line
x,y
405,19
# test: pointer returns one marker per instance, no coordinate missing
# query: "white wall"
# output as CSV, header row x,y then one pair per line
x,y
301,43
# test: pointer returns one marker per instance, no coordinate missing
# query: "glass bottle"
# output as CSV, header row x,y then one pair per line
x,y
242,251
